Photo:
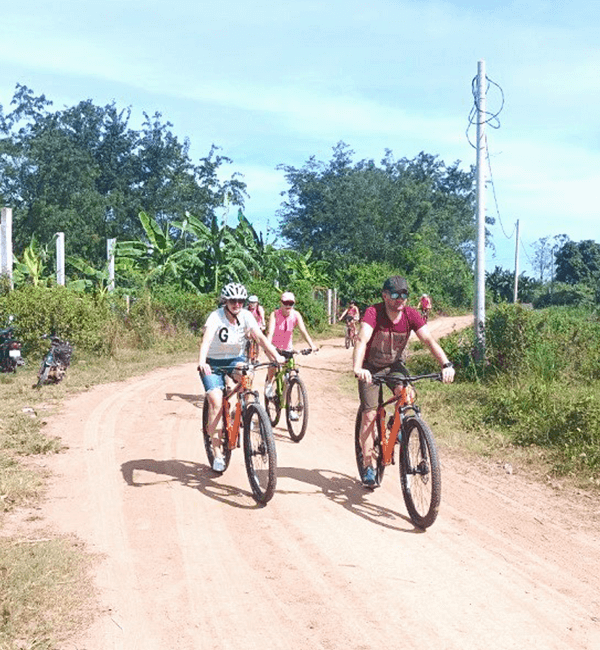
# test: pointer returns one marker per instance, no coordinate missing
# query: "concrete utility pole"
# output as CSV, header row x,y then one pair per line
x,y
60,259
6,251
480,263
516,266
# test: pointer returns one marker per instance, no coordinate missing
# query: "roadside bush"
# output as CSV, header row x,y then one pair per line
x,y
560,293
182,308
48,310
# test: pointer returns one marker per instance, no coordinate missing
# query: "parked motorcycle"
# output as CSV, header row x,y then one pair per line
x,y
10,349
55,362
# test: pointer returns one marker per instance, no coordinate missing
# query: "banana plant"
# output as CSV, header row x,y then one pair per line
x,y
31,266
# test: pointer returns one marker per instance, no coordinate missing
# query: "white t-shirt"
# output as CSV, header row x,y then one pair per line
x,y
229,339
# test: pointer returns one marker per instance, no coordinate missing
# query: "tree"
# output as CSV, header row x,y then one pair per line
x,y
543,258
84,171
413,215
579,262
370,213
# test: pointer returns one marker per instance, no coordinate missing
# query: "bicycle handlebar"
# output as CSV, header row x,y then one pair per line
x,y
395,378
288,354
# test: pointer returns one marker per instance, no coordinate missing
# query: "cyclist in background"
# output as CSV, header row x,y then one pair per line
x,y
223,346
383,335
282,323
351,315
425,306
258,311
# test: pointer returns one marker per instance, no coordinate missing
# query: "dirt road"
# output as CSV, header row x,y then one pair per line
x,y
187,561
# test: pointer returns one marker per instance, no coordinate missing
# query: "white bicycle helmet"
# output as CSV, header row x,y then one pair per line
x,y
234,291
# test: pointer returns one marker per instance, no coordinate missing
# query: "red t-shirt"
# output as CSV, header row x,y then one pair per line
x,y
388,341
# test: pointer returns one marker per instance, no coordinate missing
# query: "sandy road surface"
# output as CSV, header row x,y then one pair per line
x,y
188,561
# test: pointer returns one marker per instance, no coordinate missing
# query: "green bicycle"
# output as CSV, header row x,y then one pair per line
x,y
289,394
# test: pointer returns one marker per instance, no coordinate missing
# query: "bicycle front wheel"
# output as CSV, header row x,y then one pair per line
x,y
296,409
273,405
259,453
208,442
347,340
359,453
420,474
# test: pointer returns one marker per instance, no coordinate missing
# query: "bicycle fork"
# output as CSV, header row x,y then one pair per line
x,y
389,433
232,422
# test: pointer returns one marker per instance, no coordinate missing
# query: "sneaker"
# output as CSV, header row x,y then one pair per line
x,y
369,478
218,464
294,416
269,391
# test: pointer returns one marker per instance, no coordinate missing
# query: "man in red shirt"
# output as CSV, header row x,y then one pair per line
x,y
383,335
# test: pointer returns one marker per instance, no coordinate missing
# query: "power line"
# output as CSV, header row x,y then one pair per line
x,y
491,117
487,151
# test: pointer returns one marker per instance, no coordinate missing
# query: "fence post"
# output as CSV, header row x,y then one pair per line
x,y
60,259
6,251
110,254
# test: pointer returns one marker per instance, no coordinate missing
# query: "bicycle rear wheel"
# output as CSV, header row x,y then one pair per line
x,y
359,453
259,453
273,405
296,409
420,474
208,443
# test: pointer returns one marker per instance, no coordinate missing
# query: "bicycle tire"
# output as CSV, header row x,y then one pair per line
x,y
259,453
359,454
347,341
420,473
210,454
296,402
273,405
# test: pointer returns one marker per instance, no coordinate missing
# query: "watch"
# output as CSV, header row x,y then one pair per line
x,y
448,364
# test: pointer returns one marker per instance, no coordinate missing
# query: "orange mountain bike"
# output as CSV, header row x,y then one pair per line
x,y
420,473
259,445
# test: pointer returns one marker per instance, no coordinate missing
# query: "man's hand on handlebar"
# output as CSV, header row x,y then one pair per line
x,y
448,375
363,375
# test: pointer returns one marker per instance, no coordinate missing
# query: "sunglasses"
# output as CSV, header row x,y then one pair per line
x,y
288,303
394,295
239,301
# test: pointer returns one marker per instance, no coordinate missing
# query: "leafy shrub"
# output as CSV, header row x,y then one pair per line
x,y
560,293
182,308
48,310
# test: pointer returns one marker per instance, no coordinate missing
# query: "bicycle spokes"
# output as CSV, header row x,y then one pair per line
x,y
420,473
259,452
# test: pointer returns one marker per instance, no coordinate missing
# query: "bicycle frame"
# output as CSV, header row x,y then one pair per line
x,y
402,403
243,389
282,376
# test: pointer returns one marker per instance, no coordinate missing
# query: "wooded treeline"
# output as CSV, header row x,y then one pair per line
x,y
84,171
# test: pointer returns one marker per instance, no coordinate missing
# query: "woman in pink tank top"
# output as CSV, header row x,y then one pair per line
x,y
282,323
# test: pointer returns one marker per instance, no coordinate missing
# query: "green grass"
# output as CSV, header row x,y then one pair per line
x,y
44,595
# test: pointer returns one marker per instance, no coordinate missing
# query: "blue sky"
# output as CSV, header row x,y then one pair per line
x,y
277,82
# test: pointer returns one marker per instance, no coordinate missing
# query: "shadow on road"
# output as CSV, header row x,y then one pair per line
x,y
194,475
345,491
195,400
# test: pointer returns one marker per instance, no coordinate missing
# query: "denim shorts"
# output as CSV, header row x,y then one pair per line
x,y
219,367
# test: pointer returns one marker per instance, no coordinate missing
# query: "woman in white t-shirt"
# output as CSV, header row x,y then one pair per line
x,y
223,346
